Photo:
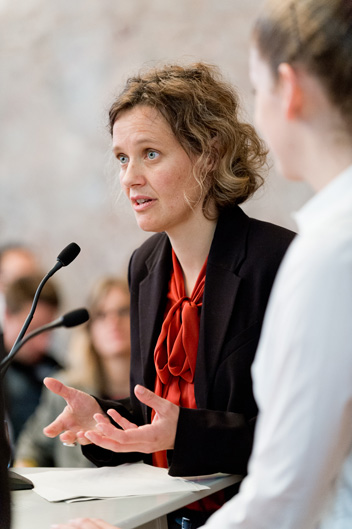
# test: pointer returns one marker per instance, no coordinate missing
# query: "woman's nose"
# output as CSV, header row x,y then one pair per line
x,y
132,174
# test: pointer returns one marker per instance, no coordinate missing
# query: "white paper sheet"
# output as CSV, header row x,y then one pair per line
x,y
136,479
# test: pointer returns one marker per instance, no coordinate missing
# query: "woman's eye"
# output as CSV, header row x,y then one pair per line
x,y
122,159
152,155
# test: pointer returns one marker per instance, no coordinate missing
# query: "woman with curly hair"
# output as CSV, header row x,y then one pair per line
x,y
199,286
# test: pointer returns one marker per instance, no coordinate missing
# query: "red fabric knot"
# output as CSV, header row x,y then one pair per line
x,y
175,357
176,350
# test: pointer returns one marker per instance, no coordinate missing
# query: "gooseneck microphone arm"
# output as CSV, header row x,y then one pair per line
x,y
65,257
71,319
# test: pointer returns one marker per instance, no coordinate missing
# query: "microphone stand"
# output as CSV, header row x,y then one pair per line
x,y
65,257
71,319
16,482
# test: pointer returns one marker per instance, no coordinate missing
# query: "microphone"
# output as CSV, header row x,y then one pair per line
x,y
65,257
70,319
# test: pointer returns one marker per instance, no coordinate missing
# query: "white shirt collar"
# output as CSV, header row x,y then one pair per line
x,y
335,197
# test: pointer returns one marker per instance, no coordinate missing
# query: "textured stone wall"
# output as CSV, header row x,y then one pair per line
x,y
61,61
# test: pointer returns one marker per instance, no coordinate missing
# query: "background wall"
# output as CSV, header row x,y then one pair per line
x,y
61,63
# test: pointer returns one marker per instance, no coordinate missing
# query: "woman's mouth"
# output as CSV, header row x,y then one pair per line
x,y
142,203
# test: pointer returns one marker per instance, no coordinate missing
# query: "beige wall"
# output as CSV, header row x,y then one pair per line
x,y
61,61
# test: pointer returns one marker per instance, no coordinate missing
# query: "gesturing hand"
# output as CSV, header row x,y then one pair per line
x,y
77,416
160,435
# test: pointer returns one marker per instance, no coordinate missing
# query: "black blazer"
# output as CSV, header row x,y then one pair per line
x,y
242,263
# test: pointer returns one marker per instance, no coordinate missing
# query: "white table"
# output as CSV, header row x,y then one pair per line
x,y
31,511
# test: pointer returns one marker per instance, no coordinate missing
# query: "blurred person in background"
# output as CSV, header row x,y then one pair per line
x,y
98,362
35,360
16,260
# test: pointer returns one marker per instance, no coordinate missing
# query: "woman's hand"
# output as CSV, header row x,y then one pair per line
x,y
85,523
160,435
77,417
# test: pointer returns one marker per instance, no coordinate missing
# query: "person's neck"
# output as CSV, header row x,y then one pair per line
x,y
191,246
116,374
325,148
327,165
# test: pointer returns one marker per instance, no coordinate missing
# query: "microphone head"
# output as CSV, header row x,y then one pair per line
x,y
68,254
75,317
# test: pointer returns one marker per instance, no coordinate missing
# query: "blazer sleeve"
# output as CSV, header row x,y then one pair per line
x,y
209,441
219,437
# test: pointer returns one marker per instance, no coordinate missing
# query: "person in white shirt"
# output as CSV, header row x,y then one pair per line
x,y
300,471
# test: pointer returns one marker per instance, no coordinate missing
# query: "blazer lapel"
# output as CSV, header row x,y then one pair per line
x,y
221,287
152,302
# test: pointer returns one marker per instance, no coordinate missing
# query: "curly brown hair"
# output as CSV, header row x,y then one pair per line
x,y
203,113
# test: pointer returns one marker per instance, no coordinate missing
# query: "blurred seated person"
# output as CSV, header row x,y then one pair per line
x,y
34,361
98,362
16,260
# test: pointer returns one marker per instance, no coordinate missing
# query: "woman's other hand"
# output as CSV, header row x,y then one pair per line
x,y
159,435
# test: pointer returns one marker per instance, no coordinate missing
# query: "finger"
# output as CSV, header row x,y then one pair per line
x,y
142,439
55,428
115,446
99,417
82,439
59,388
68,437
160,405
128,445
121,421
109,430
99,439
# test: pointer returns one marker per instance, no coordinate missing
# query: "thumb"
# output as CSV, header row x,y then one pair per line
x,y
59,388
152,400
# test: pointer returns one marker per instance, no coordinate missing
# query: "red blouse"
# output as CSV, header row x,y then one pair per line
x,y
175,353
175,357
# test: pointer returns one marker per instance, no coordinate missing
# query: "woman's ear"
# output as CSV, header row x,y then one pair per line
x,y
291,91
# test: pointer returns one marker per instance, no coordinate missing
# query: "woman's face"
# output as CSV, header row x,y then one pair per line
x,y
156,172
270,115
110,327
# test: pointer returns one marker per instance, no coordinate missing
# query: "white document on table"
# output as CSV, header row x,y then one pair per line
x,y
135,479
